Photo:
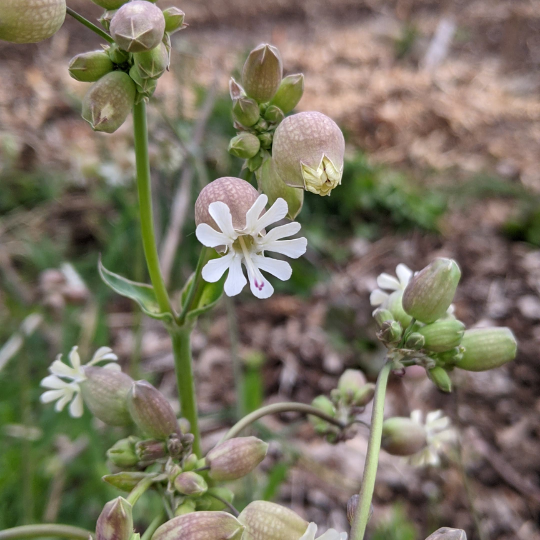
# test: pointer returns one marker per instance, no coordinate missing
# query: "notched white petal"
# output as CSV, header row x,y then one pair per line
x,y
214,269
236,281
222,216
209,237
275,213
280,269
290,248
378,297
386,281
252,215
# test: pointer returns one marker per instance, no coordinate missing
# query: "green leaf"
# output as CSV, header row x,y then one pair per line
x,y
205,298
140,292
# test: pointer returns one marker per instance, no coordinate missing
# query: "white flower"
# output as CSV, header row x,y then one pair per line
x,y
439,435
389,283
64,392
330,534
247,247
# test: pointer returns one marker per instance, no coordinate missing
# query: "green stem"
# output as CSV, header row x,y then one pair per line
x,y
156,522
144,189
183,364
45,530
372,460
203,259
139,490
89,25
276,408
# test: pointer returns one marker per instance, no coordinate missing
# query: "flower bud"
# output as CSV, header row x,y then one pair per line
x,y
151,411
138,26
190,483
395,305
269,521
262,73
174,19
108,103
390,332
415,341
430,292
110,4
308,152
452,356
125,480
289,93
115,521
487,348
353,388
274,188
201,525
123,453
236,193
117,55
30,21
381,315
255,162
442,335
145,85
445,533
245,145
326,406
403,436
266,139
246,111
186,507
274,114
105,393
150,450
153,63
90,66
261,125
440,378
235,458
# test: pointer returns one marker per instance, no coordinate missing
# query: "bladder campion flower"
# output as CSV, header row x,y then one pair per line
x,y
386,282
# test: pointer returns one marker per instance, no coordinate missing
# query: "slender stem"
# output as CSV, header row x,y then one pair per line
x,y
232,509
45,530
90,25
372,460
156,522
139,490
203,258
276,408
183,364
144,189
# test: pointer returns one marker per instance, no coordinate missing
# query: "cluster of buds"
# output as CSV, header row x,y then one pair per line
x,y
418,326
128,70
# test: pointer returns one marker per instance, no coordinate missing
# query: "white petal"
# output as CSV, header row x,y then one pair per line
x,y
277,233
63,401
310,532
62,370
433,415
252,215
214,269
386,281
280,269
259,285
112,367
74,358
332,534
51,395
103,353
276,213
52,381
290,248
417,416
378,297
404,274
222,216
76,407
209,237
236,280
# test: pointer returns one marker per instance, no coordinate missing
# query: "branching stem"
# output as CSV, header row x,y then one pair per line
x,y
89,25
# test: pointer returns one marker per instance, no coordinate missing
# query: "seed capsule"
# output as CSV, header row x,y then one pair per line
x,y
441,378
289,93
262,73
153,63
402,436
245,145
201,526
90,66
442,335
115,521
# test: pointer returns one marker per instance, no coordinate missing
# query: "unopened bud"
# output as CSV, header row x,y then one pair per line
x,y
187,507
108,103
190,462
390,332
266,139
117,55
125,480
151,411
415,341
90,66
269,521
255,162
440,378
289,93
235,90
123,453
353,388
308,151
153,63
445,533
442,335
274,114
262,73
115,521
326,406
190,483
150,450
105,393
30,21
110,4
403,436
274,188
395,305
487,348
174,19
246,111
235,458
381,315
245,145
430,292
138,26
201,525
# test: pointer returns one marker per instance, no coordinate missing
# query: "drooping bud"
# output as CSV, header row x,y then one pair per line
x,y
30,21
138,26
308,151
442,335
415,341
105,393
201,525
269,521
246,111
289,93
245,145
274,114
152,63
440,378
262,73
381,315
151,411
123,453
150,450
174,19
390,332
108,103
110,4
90,66
115,521
125,480
274,188
235,458
402,436
445,533
487,348
190,483
395,305
430,292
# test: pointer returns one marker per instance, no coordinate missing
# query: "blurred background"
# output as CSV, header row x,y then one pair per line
x,y
439,102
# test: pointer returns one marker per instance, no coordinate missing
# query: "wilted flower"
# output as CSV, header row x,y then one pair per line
x,y
64,392
386,282
241,236
330,534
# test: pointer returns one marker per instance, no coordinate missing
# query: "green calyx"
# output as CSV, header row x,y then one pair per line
x,y
289,93
442,335
90,66
153,63
262,73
